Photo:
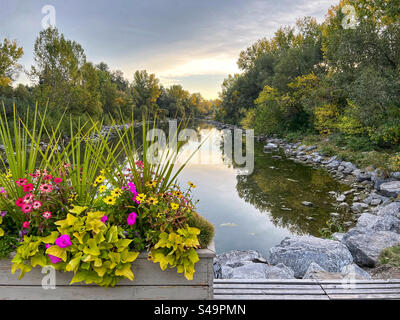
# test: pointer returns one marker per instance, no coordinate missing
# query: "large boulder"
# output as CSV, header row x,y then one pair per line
x,y
300,251
353,270
225,262
390,189
348,167
366,245
270,146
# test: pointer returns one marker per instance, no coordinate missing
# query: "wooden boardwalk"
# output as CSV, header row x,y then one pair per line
x,y
238,289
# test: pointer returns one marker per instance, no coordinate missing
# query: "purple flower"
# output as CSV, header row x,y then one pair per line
x,y
64,241
104,219
3,213
131,220
132,187
53,259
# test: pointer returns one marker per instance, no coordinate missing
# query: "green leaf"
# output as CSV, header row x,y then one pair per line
x,y
39,260
112,235
73,265
77,210
125,271
51,238
91,248
79,277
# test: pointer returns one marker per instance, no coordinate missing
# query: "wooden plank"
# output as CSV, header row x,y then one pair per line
x,y
372,281
271,297
362,291
146,273
364,296
363,286
264,286
98,293
267,292
266,281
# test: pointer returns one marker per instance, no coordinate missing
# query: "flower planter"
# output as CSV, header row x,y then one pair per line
x,y
150,283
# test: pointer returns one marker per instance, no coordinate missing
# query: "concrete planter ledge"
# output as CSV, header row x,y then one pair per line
x,y
150,283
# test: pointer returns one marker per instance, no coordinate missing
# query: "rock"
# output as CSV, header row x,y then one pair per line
x,y
249,271
237,258
390,209
355,272
390,189
348,167
280,271
361,176
333,164
395,175
344,205
375,202
377,177
270,146
358,207
337,236
311,148
366,246
312,270
341,198
366,221
300,251
307,203
276,157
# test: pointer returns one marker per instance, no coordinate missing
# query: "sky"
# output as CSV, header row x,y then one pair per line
x,y
194,43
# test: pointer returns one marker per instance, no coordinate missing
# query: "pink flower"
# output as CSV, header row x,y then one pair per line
x,y
131,220
25,225
53,259
2,190
46,215
63,241
20,202
132,187
46,188
104,219
47,177
57,180
28,187
36,205
139,164
21,182
28,198
26,208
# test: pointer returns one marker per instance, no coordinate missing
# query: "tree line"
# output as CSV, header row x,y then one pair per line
x,y
323,78
64,82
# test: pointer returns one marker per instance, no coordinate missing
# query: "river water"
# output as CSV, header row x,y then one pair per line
x,y
259,210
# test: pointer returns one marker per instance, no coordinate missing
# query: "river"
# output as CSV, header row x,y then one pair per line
x,y
259,210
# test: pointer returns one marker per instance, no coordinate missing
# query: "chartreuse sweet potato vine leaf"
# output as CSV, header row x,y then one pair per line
x,y
177,250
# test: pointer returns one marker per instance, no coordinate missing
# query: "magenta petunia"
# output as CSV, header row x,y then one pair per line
x,y
63,241
36,205
46,215
25,225
131,220
28,187
46,188
21,182
20,202
104,219
26,208
57,180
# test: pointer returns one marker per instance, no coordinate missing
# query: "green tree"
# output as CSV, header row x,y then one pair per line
x,y
10,53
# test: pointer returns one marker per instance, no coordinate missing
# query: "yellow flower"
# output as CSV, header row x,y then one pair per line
x,y
191,184
102,172
151,184
152,200
116,192
100,179
174,206
159,215
102,189
110,200
141,197
177,194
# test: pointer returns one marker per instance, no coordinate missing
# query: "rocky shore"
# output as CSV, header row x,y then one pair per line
x,y
374,201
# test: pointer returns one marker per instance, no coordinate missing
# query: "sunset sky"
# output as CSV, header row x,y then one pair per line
x,y
192,43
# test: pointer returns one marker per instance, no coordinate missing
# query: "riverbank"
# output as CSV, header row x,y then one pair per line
x,y
374,201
